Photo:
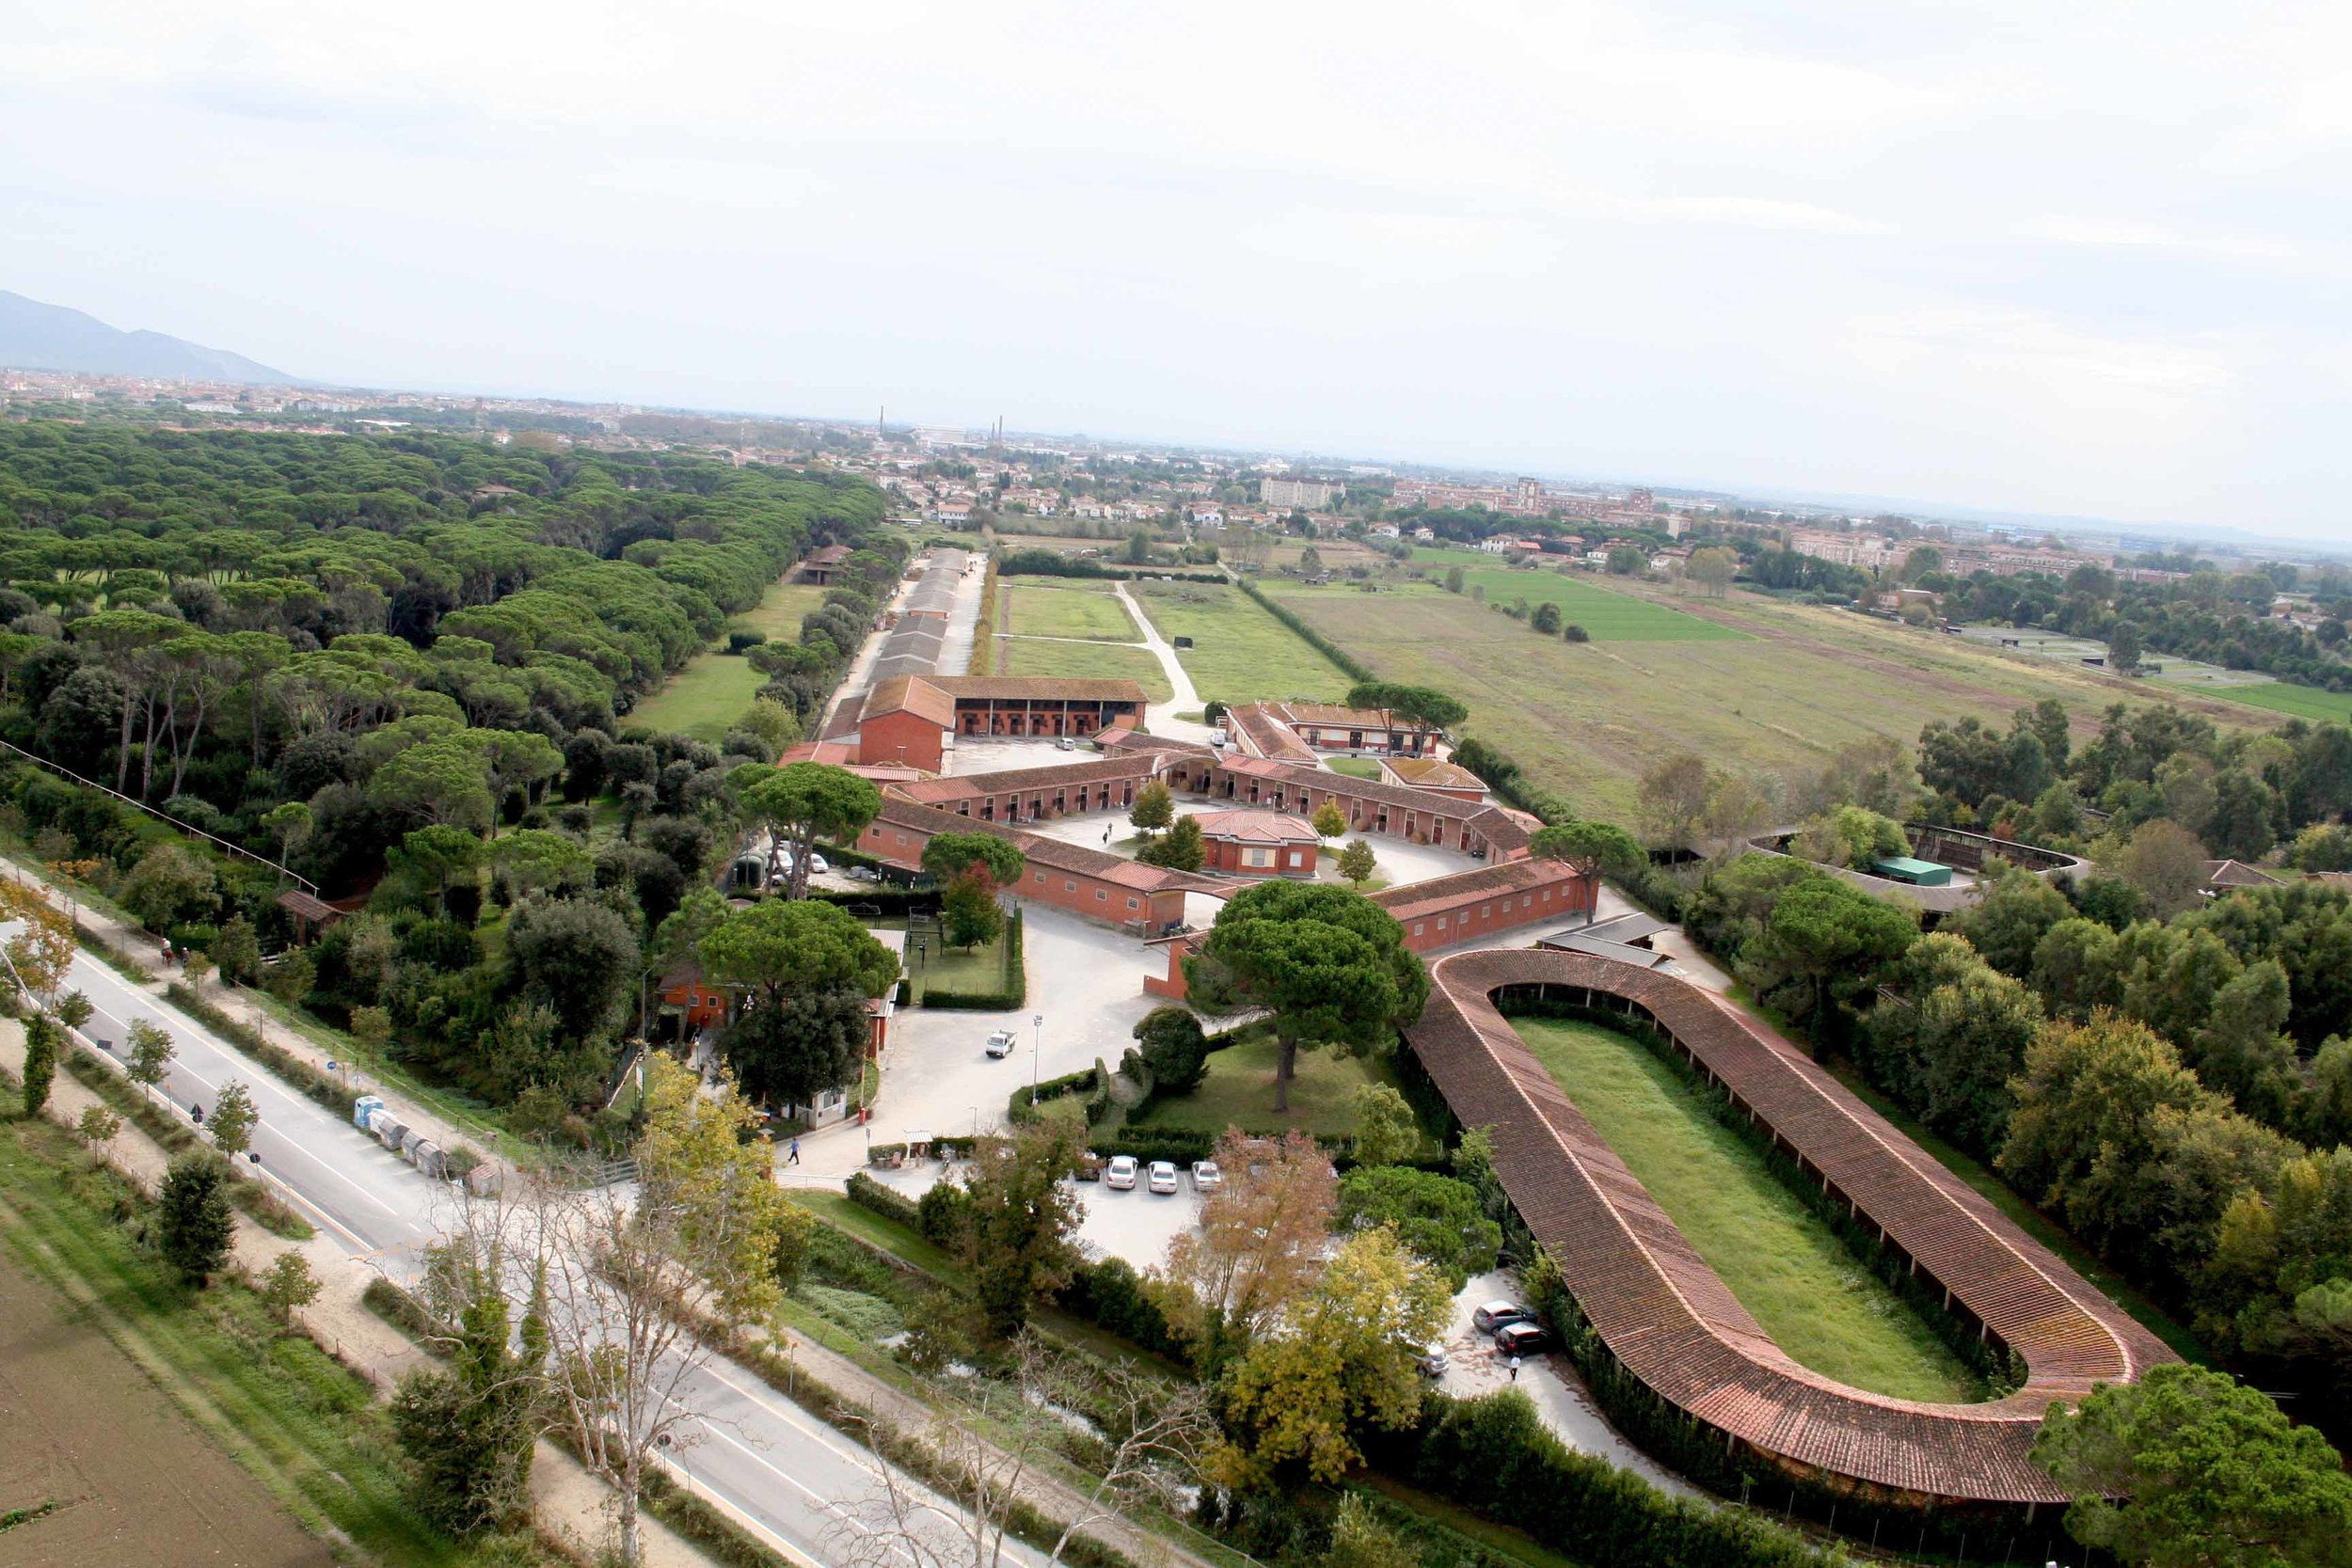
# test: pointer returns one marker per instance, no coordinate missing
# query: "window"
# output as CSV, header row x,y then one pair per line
x,y
1101,896
1040,879
1546,895
1441,922
1485,911
1264,858
1417,926
1133,903
1069,886
902,838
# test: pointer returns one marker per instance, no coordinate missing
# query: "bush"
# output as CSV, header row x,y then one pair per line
x,y
1494,1455
940,1214
1181,1146
866,1193
739,641
1110,1296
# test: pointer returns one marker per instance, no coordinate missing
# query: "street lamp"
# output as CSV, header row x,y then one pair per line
x,y
1036,1051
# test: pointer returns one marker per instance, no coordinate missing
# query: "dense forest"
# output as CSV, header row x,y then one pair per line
x,y
2163,1067
402,667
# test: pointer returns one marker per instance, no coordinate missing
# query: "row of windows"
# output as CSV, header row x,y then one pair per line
x,y
1485,911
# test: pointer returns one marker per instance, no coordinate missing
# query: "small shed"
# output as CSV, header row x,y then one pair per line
x,y
312,913
1917,873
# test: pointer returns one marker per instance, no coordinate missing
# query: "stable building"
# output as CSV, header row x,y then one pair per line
x,y
1258,844
906,719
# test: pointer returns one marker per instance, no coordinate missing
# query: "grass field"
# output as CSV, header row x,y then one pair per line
x,y
2300,702
1785,1266
1587,720
1608,615
1355,768
1239,1092
1086,612
711,692
1239,653
1027,657
305,1428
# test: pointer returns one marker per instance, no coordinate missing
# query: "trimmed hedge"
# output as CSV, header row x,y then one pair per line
x,y
1494,1455
890,1204
1034,563
1181,1146
1016,992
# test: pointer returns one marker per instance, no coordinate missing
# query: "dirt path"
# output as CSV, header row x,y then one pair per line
x,y
134,1484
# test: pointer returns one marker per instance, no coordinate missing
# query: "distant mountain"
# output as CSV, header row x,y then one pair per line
x,y
37,336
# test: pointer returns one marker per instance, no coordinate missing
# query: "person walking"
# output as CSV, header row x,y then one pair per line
x,y
1515,1369
793,1156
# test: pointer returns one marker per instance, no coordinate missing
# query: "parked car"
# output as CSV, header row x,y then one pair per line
x,y
1497,1314
1163,1177
1067,743
1000,1044
1432,1360
1120,1173
1521,1338
1206,1177
1090,1166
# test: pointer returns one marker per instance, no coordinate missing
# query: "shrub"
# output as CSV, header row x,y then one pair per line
x,y
940,1214
1110,1294
866,1193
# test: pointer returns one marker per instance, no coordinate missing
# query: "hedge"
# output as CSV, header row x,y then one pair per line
x,y
1181,1146
1016,992
1354,668
866,1193
1034,563
1018,1109
1110,1296
1494,1455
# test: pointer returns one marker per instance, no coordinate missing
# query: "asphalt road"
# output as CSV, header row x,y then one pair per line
x,y
370,1199
795,1477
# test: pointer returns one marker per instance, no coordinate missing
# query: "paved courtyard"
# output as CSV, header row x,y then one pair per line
x,y
1085,980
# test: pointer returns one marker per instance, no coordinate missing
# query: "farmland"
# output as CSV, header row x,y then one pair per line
x,y
1784,1264
1239,653
711,692
1607,615
1587,720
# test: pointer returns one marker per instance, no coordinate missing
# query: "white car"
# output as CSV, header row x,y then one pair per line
x,y
1206,1177
1162,1179
1120,1173
1000,1044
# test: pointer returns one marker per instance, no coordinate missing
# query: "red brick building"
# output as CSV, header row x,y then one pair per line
x,y
904,722
1485,901
1282,729
1091,882
1258,844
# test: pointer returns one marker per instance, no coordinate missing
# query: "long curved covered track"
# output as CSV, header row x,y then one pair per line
x,y
1672,1323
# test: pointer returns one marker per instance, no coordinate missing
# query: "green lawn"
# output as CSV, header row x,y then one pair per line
x,y
705,698
308,1429
1240,654
779,611
1021,655
1355,768
973,969
1239,1092
1785,1266
1033,612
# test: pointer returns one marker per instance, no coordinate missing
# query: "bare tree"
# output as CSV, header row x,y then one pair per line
x,y
627,1283
1138,1440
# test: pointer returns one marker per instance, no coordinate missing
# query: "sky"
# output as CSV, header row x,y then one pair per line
x,y
2086,258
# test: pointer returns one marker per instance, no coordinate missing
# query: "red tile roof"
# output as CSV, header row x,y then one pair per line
x,y
1672,1322
909,695
1258,827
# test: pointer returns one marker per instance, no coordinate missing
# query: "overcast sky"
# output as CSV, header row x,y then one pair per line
x,y
2075,258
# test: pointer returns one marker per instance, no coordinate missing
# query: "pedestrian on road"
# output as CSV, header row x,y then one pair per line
x,y
1515,1369
793,1158
1106,834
